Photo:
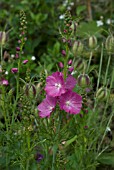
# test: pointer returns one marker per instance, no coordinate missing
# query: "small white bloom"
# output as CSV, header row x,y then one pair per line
x,y
69,8
109,21
12,55
33,58
72,3
62,16
108,129
6,73
65,3
73,72
99,23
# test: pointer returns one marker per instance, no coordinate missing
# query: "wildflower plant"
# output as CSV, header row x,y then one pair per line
x,y
56,119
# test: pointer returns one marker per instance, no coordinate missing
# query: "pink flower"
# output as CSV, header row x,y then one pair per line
x,y
17,48
55,85
63,52
5,82
70,82
71,69
14,70
70,62
17,55
71,102
25,61
61,65
47,106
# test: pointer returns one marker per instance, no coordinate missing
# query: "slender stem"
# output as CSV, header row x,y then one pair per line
x,y
99,75
65,63
111,84
107,70
1,53
28,145
55,147
89,10
90,58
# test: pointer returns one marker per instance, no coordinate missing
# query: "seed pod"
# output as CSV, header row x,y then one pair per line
x,y
11,92
92,42
30,90
77,48
102,93
3,37
73,27
109,44
83,80
79,64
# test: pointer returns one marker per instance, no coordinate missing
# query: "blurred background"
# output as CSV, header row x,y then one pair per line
x,y
45,17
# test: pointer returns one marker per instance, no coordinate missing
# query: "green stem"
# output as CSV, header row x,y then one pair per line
x,y
1,53
56,143
99,75
65,63
17,91
107,70
90,58
107,102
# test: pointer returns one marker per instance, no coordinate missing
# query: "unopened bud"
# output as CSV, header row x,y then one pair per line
x,y
61,65
77,48
102,93
92,42
30,90
83,80
11,92
73,27
63,52
109,45
79,64
3,37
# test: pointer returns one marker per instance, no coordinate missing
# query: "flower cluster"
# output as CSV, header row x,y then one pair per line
x,y
58,90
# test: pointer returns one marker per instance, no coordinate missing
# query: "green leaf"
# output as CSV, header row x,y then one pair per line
x,y
68,142
80,9
86,29
107,158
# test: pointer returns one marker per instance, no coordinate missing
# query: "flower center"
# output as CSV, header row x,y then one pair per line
x,y
58,85
50,108
68,103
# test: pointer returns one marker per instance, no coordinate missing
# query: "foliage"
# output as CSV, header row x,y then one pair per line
x,y
35,45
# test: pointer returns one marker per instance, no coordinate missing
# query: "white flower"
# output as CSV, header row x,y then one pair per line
x,y
69,8
99,23
6,73
108,129
72,3
62,16
12,55
109,21
73,72
65,3
33,58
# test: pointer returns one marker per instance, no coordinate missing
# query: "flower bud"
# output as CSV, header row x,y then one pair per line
x,y
83,80
3,37
77,48
30,90
63,52
109,44
14,70
11,92
61,65
73,27
102,93
92,42
79,64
